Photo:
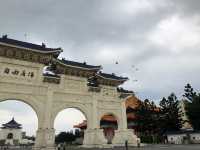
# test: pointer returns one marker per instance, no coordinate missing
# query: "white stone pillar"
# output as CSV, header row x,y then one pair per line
x,y
123,134
94,136
49,128
46,134
48,108
124,117
94,113
44,139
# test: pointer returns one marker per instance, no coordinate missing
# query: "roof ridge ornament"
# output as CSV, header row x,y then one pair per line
x,y
43,45
5,36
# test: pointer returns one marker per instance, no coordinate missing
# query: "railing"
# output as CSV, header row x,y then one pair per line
x,y
16,147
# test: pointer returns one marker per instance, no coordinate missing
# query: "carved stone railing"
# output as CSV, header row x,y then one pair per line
x,y
51,79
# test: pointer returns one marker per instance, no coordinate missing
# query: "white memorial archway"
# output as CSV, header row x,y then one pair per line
x,y
72,84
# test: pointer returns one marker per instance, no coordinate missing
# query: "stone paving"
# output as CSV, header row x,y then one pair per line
x,y
147,147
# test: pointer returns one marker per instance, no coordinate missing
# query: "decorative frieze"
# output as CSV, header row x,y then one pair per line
x,y
73,71
26,55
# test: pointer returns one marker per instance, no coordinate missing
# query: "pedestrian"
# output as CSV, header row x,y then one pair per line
x,y
126,144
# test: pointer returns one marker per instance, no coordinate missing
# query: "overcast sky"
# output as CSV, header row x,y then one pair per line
x,y
159,37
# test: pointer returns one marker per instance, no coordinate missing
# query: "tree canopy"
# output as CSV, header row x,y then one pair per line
x,y
67,137
193,106
169,117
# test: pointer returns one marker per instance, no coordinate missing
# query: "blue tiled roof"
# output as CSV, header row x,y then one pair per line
x,y
78,64
42,47
12,124
112,76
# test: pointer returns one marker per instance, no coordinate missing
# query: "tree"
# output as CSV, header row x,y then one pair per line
x,y
148,121
193,106
170,119
146,118
65,137
143,116
61,137
193,112
189,92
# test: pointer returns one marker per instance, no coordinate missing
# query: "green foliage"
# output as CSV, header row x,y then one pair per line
x,y
169,117
146,139
67,137
77,133
150,139
193,106
189,92
193,112
147,118
153,124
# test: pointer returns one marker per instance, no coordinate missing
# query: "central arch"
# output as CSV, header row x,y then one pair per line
x,y
77,106
65,112
81,107
66,126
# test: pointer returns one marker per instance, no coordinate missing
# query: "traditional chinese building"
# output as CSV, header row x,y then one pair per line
x,y
11,134
132,105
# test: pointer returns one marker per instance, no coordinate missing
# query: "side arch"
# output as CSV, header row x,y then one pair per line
x,y
109,124
114,114
29,100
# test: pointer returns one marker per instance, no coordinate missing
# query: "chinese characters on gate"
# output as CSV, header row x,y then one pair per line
x,y
16,72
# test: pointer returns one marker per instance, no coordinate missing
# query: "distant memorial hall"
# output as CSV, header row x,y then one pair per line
x,y
36,76
11,134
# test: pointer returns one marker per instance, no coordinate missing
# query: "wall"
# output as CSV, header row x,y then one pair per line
x,y
175,138
195,138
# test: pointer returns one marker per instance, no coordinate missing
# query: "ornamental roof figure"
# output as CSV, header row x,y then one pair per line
x,y
11,125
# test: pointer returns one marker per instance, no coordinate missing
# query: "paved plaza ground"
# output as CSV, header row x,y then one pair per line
x,y
148,147
169,147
